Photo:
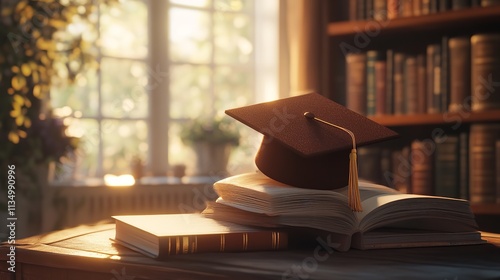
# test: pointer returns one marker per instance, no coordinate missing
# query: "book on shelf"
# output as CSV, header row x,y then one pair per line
x,y
356,82
399,84
485,71
421,84
463,175
497,164
482,162
422,168
159,236
447,166
460,67
410,96
391,9
410,220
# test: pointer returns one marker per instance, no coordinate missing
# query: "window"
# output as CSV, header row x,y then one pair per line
x,y
163,63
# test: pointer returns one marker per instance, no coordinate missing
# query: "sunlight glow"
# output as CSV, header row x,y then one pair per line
x,y
124,180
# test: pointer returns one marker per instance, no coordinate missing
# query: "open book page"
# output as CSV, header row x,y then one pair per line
x,y
403,210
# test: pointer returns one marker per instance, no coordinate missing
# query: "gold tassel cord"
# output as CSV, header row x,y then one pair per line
x,y
354,200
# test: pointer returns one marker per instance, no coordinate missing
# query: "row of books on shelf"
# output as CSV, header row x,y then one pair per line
x,y
391,9
456,74
464,165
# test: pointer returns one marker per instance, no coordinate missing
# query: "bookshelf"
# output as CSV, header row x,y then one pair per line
x,y
412,34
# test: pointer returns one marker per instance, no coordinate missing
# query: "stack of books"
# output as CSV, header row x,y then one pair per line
x,y
307,182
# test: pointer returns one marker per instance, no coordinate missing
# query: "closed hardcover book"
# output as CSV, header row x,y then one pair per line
x,y
159,236
380,87
485,72
460,75
379,9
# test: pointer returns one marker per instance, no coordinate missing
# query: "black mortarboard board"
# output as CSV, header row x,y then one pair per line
x,y
302,151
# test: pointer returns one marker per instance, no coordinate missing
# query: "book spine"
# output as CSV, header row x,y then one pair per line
x,y
389,85
485,72
488,3
426,7
460,4
230,242
399,87
447,167
433,78
410,81
421,159
371,57
356,82
433,6
464,165
444,76
407,8
401,170
361,9
379,9
380,87
417,7
393,8
421,84
370,169
497,164
482,162
444,5
369,9
460,75
353,10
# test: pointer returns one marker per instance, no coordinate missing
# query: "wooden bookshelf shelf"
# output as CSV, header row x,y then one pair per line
x,y
458,20
486,209
448,119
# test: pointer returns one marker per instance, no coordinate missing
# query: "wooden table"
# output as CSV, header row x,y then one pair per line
x,y
86,252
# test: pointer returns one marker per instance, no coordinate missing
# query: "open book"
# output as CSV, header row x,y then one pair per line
x,y
389,219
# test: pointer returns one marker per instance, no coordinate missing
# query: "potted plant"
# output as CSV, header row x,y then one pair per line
x,y
212,140
34,42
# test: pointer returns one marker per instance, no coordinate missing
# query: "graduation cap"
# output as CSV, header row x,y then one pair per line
x,y
310,141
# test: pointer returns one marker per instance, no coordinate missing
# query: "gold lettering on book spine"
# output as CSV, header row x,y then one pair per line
x,y
169,246
245,241
222,242
185,244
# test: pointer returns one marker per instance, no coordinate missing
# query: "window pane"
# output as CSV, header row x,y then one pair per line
x,y
189,91
178,152
123,88
234,5
124,29
88,131
82,96
233,42
233,87
192,3
189,35
122,140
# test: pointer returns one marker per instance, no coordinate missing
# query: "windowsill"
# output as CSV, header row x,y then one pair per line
x,y
143,182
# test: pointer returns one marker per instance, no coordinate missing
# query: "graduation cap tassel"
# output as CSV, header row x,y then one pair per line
x,y
354,200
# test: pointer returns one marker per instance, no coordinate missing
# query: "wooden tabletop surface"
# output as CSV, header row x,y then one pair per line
x,y
87,252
